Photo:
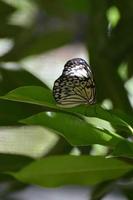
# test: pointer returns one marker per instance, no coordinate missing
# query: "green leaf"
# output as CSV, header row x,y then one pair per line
x,y
41,96
32,94
76,6
5,11
5,177
79,170
12,162
100,190
75,130
126,117
64,7
124,148
98,112
11,79
10,31
11,112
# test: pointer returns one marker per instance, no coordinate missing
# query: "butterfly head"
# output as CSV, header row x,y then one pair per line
x,y
75,62
76,67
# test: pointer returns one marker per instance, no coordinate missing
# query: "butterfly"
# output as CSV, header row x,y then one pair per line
x,y
76,84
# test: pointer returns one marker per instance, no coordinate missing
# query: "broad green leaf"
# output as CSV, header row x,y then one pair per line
x,y
32,94
79,133
75,130
79,170
42,96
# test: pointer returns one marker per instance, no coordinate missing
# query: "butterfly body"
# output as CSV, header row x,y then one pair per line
x,y
76,85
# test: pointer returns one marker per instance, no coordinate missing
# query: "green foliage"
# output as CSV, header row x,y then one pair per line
x,y
62,170
105,27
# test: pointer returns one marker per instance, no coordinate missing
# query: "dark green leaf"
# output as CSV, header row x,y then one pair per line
x,y
124,148
5,11
101,190
12,112
10,162
10,31
62,8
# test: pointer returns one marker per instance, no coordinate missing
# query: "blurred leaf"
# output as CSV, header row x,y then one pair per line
x,y
113,16
79,170
10,162
12,112
130,64
5,178
5,11
12,187
17,140
76,6
64,7
127,118
106,53
32,44
123,148
75,130
61,147
101,190
11,79
10,31
128,192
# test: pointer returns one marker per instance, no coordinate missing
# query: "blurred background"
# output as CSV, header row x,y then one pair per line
x,y
36,39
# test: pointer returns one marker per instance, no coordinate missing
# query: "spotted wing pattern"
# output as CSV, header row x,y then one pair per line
x,y
76,85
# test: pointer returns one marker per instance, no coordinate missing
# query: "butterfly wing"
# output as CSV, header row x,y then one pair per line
x,y
75,86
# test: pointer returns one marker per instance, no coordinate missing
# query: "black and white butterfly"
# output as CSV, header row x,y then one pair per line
x,y
76,84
